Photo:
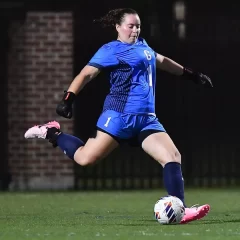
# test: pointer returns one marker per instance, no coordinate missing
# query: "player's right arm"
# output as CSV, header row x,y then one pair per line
x,y
103,58
64,108
86,75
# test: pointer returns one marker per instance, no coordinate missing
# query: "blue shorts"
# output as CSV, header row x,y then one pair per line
x,y
123,126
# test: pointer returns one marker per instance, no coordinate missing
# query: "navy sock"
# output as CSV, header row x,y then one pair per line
x,y
173,180
69,144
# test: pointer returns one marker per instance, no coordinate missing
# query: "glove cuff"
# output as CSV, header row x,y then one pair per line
x,y
188,72
69,97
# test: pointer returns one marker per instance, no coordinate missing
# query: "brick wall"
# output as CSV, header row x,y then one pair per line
x,y
40,68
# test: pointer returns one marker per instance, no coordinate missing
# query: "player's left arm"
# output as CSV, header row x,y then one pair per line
x,y
168,65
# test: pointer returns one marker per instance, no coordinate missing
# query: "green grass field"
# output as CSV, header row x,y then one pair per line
x,y
113,215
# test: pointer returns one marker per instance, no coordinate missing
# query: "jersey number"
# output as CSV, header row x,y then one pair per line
x,y
149,69
148,55
108,120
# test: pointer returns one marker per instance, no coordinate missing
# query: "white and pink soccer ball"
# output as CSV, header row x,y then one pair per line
x,y
169,210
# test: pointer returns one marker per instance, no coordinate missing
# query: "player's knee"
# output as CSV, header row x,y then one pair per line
x,y
177,156
86,159
174,156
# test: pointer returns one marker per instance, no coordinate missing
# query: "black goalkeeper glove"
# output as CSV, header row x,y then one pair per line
x,y
64,108
197,77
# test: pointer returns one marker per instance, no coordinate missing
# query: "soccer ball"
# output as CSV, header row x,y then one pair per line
x,y
169,210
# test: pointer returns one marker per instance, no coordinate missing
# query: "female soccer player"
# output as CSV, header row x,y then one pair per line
x,y
129,108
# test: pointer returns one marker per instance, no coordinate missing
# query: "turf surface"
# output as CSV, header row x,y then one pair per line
x,y
113,215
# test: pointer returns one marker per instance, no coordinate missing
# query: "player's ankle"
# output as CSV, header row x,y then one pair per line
x,y
52,135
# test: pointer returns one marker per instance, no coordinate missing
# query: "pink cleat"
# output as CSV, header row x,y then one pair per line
x,y
40,131
195,213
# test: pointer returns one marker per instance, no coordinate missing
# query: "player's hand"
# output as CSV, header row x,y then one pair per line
x,y
204,80
198,78
64,108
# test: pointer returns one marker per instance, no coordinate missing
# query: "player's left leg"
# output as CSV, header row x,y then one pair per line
x,y
158,144
161,148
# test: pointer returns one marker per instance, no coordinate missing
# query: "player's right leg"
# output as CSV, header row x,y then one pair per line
x,y
95,148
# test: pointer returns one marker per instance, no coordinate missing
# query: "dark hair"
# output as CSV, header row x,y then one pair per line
x,y
114,17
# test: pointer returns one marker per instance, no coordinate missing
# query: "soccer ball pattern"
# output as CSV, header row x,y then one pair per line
x,y
169,210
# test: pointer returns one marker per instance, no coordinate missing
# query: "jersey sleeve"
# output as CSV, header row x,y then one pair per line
x,y
145,42
103,58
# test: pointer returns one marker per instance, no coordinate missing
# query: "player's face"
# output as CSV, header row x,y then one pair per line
x,y
129,29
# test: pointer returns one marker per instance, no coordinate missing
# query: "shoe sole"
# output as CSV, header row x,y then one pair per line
x,y
204,211
52,124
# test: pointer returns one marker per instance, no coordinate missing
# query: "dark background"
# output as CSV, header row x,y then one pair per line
x,y
203,123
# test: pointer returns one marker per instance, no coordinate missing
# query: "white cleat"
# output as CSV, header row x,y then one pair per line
x,y
40,131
